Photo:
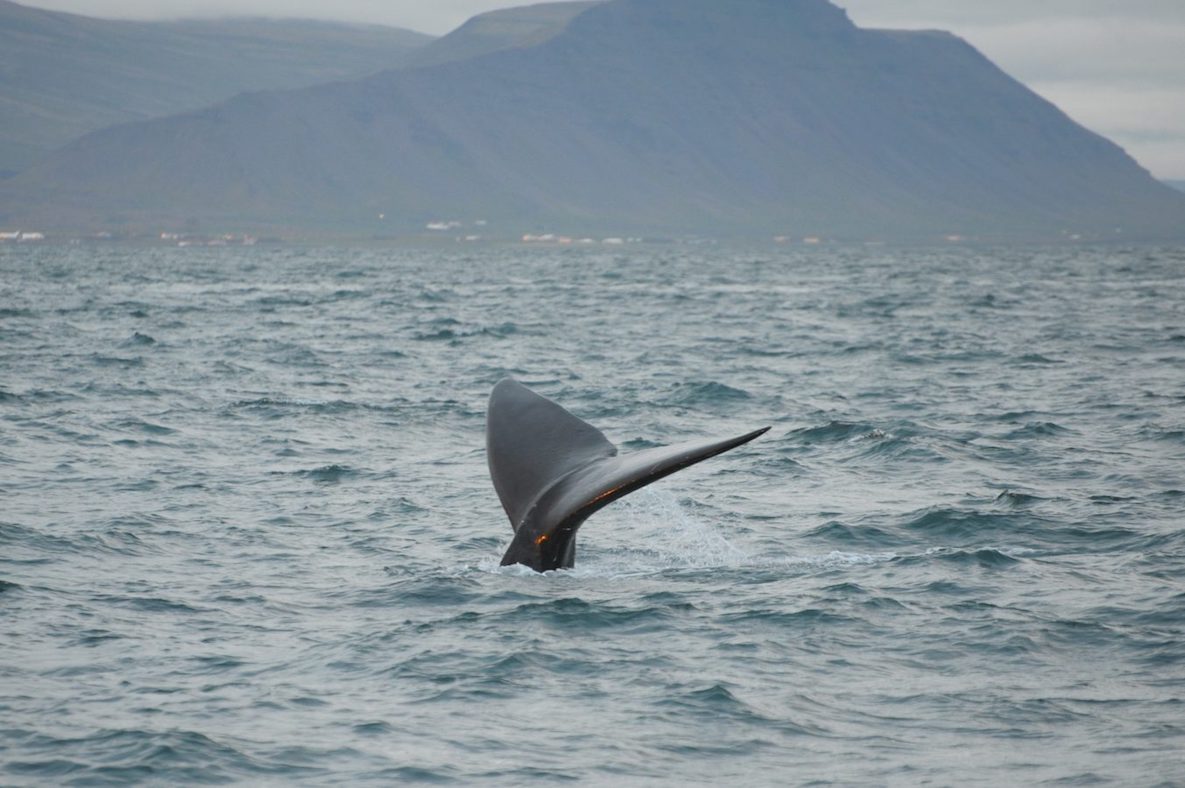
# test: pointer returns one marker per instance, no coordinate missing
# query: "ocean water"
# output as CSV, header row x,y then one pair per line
x,y
247,532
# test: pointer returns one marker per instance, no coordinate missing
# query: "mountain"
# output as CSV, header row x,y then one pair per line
x,y
638,116
1178,185
63,75
506,28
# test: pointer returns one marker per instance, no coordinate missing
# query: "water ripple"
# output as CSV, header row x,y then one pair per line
x,y
247,533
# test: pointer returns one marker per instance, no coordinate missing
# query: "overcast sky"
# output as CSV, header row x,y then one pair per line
x,y
1116,66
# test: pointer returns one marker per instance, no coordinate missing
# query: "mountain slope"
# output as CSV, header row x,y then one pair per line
x,y
503,29
63,75
659,116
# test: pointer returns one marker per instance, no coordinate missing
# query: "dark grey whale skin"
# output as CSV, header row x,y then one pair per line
x,y
551,471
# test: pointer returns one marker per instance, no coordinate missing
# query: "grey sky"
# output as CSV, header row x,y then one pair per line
x,y
1116,66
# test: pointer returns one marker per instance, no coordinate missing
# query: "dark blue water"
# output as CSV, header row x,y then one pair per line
x,y
247,532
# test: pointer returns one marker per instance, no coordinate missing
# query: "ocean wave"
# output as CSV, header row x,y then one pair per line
x,y
328,474
136,755
1038,429
277,407
264,548
1018,499
855,535
706,393
987,557
961,524
122,362
835,431
139,340
141,425
453,331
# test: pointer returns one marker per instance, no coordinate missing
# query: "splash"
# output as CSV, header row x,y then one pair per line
x,y
653,531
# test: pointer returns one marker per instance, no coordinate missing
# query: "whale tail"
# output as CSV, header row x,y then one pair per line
x,y
552,470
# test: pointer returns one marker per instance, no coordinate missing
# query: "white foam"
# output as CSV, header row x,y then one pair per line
x,y
1011,551
652,532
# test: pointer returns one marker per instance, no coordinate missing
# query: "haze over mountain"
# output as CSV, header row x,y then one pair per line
x,y
63,75
650,116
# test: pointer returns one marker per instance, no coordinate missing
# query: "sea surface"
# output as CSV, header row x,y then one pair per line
x,y
247,532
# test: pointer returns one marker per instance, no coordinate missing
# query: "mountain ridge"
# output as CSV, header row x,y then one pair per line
x,y
501,29
651,116
63,75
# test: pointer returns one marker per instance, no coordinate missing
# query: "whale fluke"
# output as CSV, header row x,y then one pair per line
x,y
551,471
